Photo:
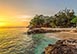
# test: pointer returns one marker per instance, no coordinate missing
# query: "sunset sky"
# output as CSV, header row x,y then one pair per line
x,y
20,12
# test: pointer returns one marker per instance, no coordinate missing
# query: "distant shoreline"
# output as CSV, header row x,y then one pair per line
x,y
15,27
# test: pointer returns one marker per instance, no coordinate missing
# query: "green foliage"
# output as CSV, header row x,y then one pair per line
x,y
62,19
37,21
74,20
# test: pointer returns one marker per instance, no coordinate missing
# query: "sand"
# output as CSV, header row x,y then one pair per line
x,y
67,35
62,35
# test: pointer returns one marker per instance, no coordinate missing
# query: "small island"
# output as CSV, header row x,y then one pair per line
x,y
64,20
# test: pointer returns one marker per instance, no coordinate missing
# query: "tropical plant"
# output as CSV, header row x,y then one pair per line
x,y
74,20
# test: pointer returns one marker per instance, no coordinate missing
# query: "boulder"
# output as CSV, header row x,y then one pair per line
x,y
62,47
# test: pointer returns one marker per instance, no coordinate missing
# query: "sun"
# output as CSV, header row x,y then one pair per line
x,y
2,24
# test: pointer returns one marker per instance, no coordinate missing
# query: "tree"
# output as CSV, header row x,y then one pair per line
x,y
37,21
63,19
74,20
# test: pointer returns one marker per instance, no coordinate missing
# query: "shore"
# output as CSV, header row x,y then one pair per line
x,y
67,35
62,35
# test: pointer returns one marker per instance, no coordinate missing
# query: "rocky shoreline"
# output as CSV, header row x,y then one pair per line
x,y
50,30
67,46
64,45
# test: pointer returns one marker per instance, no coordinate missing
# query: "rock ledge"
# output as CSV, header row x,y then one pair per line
x,y
62,47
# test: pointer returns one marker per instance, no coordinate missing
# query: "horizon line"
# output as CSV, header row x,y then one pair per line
x,y
14,27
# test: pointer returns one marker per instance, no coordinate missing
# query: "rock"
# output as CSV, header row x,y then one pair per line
x,y
41,30
62,47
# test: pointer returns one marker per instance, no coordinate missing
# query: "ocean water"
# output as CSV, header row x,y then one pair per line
x,y
14,41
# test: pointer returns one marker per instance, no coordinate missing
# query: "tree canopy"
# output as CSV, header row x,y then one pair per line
x,y
74,20
63,19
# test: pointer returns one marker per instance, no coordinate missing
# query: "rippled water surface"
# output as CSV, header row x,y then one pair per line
x,y
14,41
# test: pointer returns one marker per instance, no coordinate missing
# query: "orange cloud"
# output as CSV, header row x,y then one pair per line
x,y
8,16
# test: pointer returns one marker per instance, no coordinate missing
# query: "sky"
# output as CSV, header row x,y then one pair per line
x,y
20,12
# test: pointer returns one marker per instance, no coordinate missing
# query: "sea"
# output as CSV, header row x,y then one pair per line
x,y
17,41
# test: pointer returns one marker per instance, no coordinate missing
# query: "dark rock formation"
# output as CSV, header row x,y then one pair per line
x,y
62,47
40,30
49,30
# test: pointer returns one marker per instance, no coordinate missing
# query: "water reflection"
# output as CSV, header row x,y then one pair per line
x,y
14,41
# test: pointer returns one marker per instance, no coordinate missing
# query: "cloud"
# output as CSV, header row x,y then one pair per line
x,y
31,7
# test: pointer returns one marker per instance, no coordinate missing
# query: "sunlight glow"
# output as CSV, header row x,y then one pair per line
x,y
10,16
2,24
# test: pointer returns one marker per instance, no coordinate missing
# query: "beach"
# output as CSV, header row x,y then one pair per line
x,y
62,35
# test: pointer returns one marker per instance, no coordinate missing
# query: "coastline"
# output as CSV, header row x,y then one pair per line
x,y
62,35
59,33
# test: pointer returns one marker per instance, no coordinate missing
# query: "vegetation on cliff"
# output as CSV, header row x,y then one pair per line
x,y
63,19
